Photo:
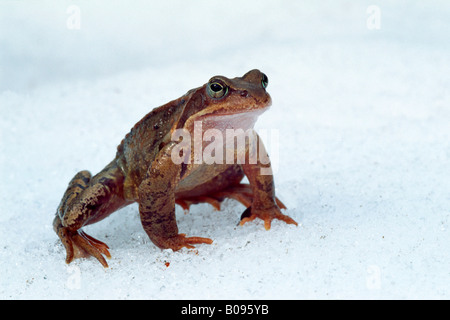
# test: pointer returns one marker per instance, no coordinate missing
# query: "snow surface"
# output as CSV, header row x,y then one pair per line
x,y
363,118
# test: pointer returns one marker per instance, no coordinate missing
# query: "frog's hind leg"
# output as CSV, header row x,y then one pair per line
x,y
243,193
88,200
237,192
186,203
77,243
225,185
210,191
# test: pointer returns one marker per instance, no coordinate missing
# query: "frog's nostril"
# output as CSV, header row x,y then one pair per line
x,y
244,93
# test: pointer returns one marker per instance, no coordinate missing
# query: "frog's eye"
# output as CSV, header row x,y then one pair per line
x,y
217,90
264,81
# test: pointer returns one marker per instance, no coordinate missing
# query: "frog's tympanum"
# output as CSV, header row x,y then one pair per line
x,y
143,170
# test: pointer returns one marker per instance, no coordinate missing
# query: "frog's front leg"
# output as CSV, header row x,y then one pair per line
x,y
265,205
157,203
88,200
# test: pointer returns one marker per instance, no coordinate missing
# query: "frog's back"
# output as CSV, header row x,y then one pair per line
x,y
140,146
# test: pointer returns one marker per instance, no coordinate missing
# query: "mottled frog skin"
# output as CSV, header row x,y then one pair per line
x,y
144,172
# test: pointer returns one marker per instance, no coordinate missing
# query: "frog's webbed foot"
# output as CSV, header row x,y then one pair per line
x,y
241,192
78,244
267,215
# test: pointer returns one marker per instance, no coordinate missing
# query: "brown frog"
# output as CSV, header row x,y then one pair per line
x,y
144,171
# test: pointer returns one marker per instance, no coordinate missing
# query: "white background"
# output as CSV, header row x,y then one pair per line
x,y
362,114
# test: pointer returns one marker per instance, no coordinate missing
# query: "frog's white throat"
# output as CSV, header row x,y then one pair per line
x,y
242,121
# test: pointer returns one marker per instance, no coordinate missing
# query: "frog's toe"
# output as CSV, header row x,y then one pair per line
x,y
188,242
267,215
84,246
243,193
181,241
78,244
185,203
240,192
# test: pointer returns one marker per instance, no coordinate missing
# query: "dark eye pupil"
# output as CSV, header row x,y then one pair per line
x,y
216,87
264,80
